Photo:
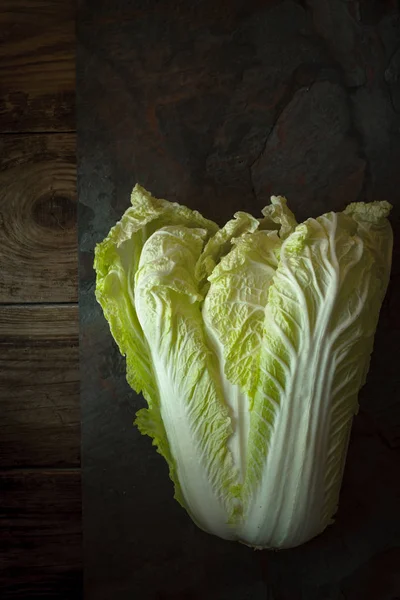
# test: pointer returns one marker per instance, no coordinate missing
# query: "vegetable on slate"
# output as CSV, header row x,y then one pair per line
x,y
250,344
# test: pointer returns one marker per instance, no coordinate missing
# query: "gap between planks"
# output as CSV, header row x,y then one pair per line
x,y
33,469
37,304
41,132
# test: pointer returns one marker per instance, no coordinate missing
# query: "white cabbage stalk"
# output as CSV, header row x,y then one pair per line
x,y
250,344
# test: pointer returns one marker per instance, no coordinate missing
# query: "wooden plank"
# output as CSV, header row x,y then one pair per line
x,y
40,534
39,386
38,240
37,65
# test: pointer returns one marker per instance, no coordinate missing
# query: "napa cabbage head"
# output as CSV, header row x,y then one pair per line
x,y
249,343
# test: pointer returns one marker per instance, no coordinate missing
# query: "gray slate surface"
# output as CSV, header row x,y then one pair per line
x,y
217,105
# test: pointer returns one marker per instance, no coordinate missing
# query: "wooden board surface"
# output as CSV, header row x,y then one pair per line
x,y
38,236
37,70
39,386
40,534
217,105
40,495
40,506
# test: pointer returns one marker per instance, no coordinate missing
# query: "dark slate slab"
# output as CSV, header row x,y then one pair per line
x,y
218,104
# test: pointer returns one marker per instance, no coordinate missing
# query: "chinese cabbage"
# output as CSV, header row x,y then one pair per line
x,y
250,344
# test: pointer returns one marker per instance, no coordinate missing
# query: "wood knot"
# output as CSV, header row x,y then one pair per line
x,y
55,212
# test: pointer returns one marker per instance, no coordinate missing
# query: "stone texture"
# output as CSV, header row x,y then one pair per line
x,y
311,154
217,105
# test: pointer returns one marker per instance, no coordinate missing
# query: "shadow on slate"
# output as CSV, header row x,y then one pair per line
x,y
217,105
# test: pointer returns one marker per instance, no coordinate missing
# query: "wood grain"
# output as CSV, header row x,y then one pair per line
x,y
40,505
39,386
37,65
38,240
40,534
